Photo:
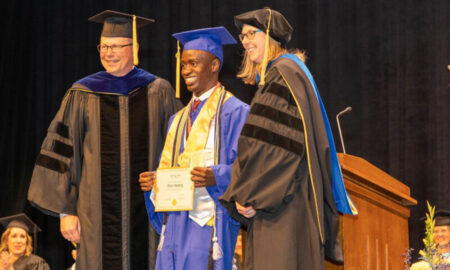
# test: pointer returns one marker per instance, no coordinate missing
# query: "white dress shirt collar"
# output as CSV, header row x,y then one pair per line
x,y
205,95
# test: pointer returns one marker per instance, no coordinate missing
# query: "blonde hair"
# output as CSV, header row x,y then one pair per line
x,y
250,69
4,242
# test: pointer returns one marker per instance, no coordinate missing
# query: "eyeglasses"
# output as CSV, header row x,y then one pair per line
x,y
250,34
114,48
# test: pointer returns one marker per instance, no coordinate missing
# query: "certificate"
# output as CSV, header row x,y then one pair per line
x,y
174,190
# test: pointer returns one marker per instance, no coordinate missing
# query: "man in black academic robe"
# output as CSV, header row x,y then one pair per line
x,y
109,128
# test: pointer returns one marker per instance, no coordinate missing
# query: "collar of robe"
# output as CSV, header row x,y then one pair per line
x,y
103,82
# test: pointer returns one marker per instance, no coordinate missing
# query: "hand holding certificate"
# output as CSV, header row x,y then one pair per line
x,y
174,190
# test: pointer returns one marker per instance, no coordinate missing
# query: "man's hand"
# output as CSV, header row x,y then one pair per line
x,y
70,228
203,177
147,180
247,212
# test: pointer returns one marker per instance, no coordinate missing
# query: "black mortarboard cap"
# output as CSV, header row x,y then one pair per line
x,y
280,29
118,24
442,218
21,221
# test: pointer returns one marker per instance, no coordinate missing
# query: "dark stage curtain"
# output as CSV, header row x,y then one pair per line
x,y
387,59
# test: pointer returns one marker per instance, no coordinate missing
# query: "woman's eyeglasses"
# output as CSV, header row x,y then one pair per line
x,y
249,35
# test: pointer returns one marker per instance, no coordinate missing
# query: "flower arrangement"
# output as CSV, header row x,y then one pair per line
x,y
421,265
430,256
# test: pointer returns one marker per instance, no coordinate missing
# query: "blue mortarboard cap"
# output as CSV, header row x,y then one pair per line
x,y
206,39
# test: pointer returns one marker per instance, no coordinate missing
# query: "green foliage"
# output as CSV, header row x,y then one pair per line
x,y
431,253
428,254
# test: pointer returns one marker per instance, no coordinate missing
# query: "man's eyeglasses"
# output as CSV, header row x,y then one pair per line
x,y
114,48
250,35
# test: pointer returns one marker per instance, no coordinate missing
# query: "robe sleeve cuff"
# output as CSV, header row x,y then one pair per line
x,y
222,174
156,219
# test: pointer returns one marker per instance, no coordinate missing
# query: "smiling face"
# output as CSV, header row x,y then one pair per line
x,y
442,235
17,242
200,71
254,47
117,63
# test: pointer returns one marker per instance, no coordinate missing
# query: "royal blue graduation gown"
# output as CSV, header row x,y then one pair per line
x,y
186,244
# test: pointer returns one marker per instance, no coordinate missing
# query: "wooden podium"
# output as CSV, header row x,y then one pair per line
x,y
376,238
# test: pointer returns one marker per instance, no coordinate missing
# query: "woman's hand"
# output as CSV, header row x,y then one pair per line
x,y
5,261
247,212
147,180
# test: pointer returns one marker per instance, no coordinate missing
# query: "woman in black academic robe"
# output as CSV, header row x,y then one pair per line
x,y
281,181
15,251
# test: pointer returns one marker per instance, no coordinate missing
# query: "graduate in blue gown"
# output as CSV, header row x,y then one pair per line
x,y
205,237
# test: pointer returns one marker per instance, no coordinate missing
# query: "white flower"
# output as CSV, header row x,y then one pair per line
x,y
422,265
447,260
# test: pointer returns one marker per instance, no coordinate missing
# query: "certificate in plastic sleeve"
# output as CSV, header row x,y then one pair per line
x,y
174,190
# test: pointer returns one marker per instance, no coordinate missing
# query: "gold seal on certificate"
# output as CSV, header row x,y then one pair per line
x,y
174,190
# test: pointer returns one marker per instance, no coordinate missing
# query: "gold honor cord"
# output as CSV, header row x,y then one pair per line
x,y
135,45
179,136
266,51
178,71
307,155
201,127
167,155
217,130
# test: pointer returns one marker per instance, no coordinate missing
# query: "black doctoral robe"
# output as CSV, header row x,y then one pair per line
x,y
31,262
283,170
90,161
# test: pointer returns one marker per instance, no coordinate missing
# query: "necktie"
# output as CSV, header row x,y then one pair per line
x,y
193,108
195,105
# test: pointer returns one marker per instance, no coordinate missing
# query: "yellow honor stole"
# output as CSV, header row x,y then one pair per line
x,y
199,132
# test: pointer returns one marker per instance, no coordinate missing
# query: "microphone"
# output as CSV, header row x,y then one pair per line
x,y
346,110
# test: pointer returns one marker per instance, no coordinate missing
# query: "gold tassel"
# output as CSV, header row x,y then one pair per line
x,y
177,76
135,44
161,238
266,51
217,252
